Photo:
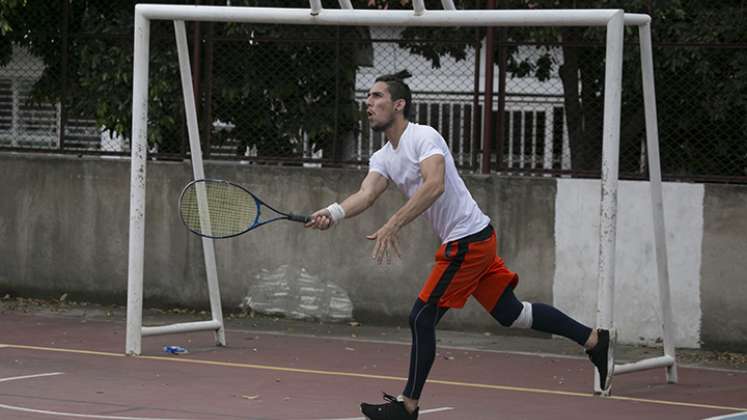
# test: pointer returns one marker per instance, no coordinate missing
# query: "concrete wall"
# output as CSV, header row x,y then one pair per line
x,y
636,286
64,228
723,272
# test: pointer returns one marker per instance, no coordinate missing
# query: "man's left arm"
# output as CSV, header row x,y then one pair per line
x,y
432,171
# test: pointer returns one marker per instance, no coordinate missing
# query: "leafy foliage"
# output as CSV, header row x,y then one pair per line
x,y
272,90
269,90
275,89
701,90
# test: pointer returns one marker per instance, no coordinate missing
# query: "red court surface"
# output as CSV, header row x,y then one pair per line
x,y
59,367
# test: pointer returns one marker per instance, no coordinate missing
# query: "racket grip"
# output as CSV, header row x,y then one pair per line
x,y
299,218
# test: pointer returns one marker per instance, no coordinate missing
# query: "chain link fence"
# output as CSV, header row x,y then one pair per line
x,y
295,95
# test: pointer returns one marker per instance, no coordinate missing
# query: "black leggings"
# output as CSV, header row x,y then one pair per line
x,y
425,316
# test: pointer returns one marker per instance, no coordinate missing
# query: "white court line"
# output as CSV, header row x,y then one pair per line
x,y
431,410
63,414
30,376
96,416
86,416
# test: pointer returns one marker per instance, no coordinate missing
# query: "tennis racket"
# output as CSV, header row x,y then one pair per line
x,y
216,208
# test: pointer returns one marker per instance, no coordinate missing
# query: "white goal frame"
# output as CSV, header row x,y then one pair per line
x,y
613,20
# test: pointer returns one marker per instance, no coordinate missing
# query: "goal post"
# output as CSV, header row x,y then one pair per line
x,y
613,20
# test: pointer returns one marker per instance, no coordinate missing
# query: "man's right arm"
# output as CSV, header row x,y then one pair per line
x,y
373,185
371,188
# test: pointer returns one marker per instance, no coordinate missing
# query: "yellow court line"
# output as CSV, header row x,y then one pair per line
x,y
182,359
60,350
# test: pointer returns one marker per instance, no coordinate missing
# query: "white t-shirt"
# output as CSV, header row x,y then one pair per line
x,y
454,214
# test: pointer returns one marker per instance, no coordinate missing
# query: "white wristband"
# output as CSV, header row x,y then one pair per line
x,y
336,212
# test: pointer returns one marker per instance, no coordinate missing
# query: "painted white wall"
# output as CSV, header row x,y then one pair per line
x,y
637,312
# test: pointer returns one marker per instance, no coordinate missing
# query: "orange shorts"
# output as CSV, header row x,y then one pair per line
x,y
468,267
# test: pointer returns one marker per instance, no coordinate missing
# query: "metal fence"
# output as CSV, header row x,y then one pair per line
x,y
296,95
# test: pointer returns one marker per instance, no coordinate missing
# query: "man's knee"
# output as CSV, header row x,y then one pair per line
x,y
422,317
510,312
519,316
524,320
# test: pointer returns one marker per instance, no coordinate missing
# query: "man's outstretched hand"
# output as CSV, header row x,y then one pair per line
x,y
386,244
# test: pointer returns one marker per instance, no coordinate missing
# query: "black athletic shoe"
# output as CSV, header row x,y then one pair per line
x,y
393,409
602,356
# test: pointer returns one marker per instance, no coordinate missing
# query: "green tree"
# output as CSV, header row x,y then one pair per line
x,y
272,89
8,11
268,84
701,91
281,82
99,63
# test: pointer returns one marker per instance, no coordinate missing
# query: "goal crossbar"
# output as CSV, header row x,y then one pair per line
x,y
359,17
614,20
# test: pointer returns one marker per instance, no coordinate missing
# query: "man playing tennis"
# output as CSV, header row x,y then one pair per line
x,y
417,160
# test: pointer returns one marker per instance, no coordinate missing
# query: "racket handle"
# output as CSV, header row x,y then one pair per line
x,y
299,218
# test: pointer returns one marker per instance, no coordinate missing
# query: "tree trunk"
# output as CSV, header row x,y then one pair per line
x,y
592,106
572,104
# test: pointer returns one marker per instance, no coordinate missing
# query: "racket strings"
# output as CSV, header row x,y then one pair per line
x,y
230,210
